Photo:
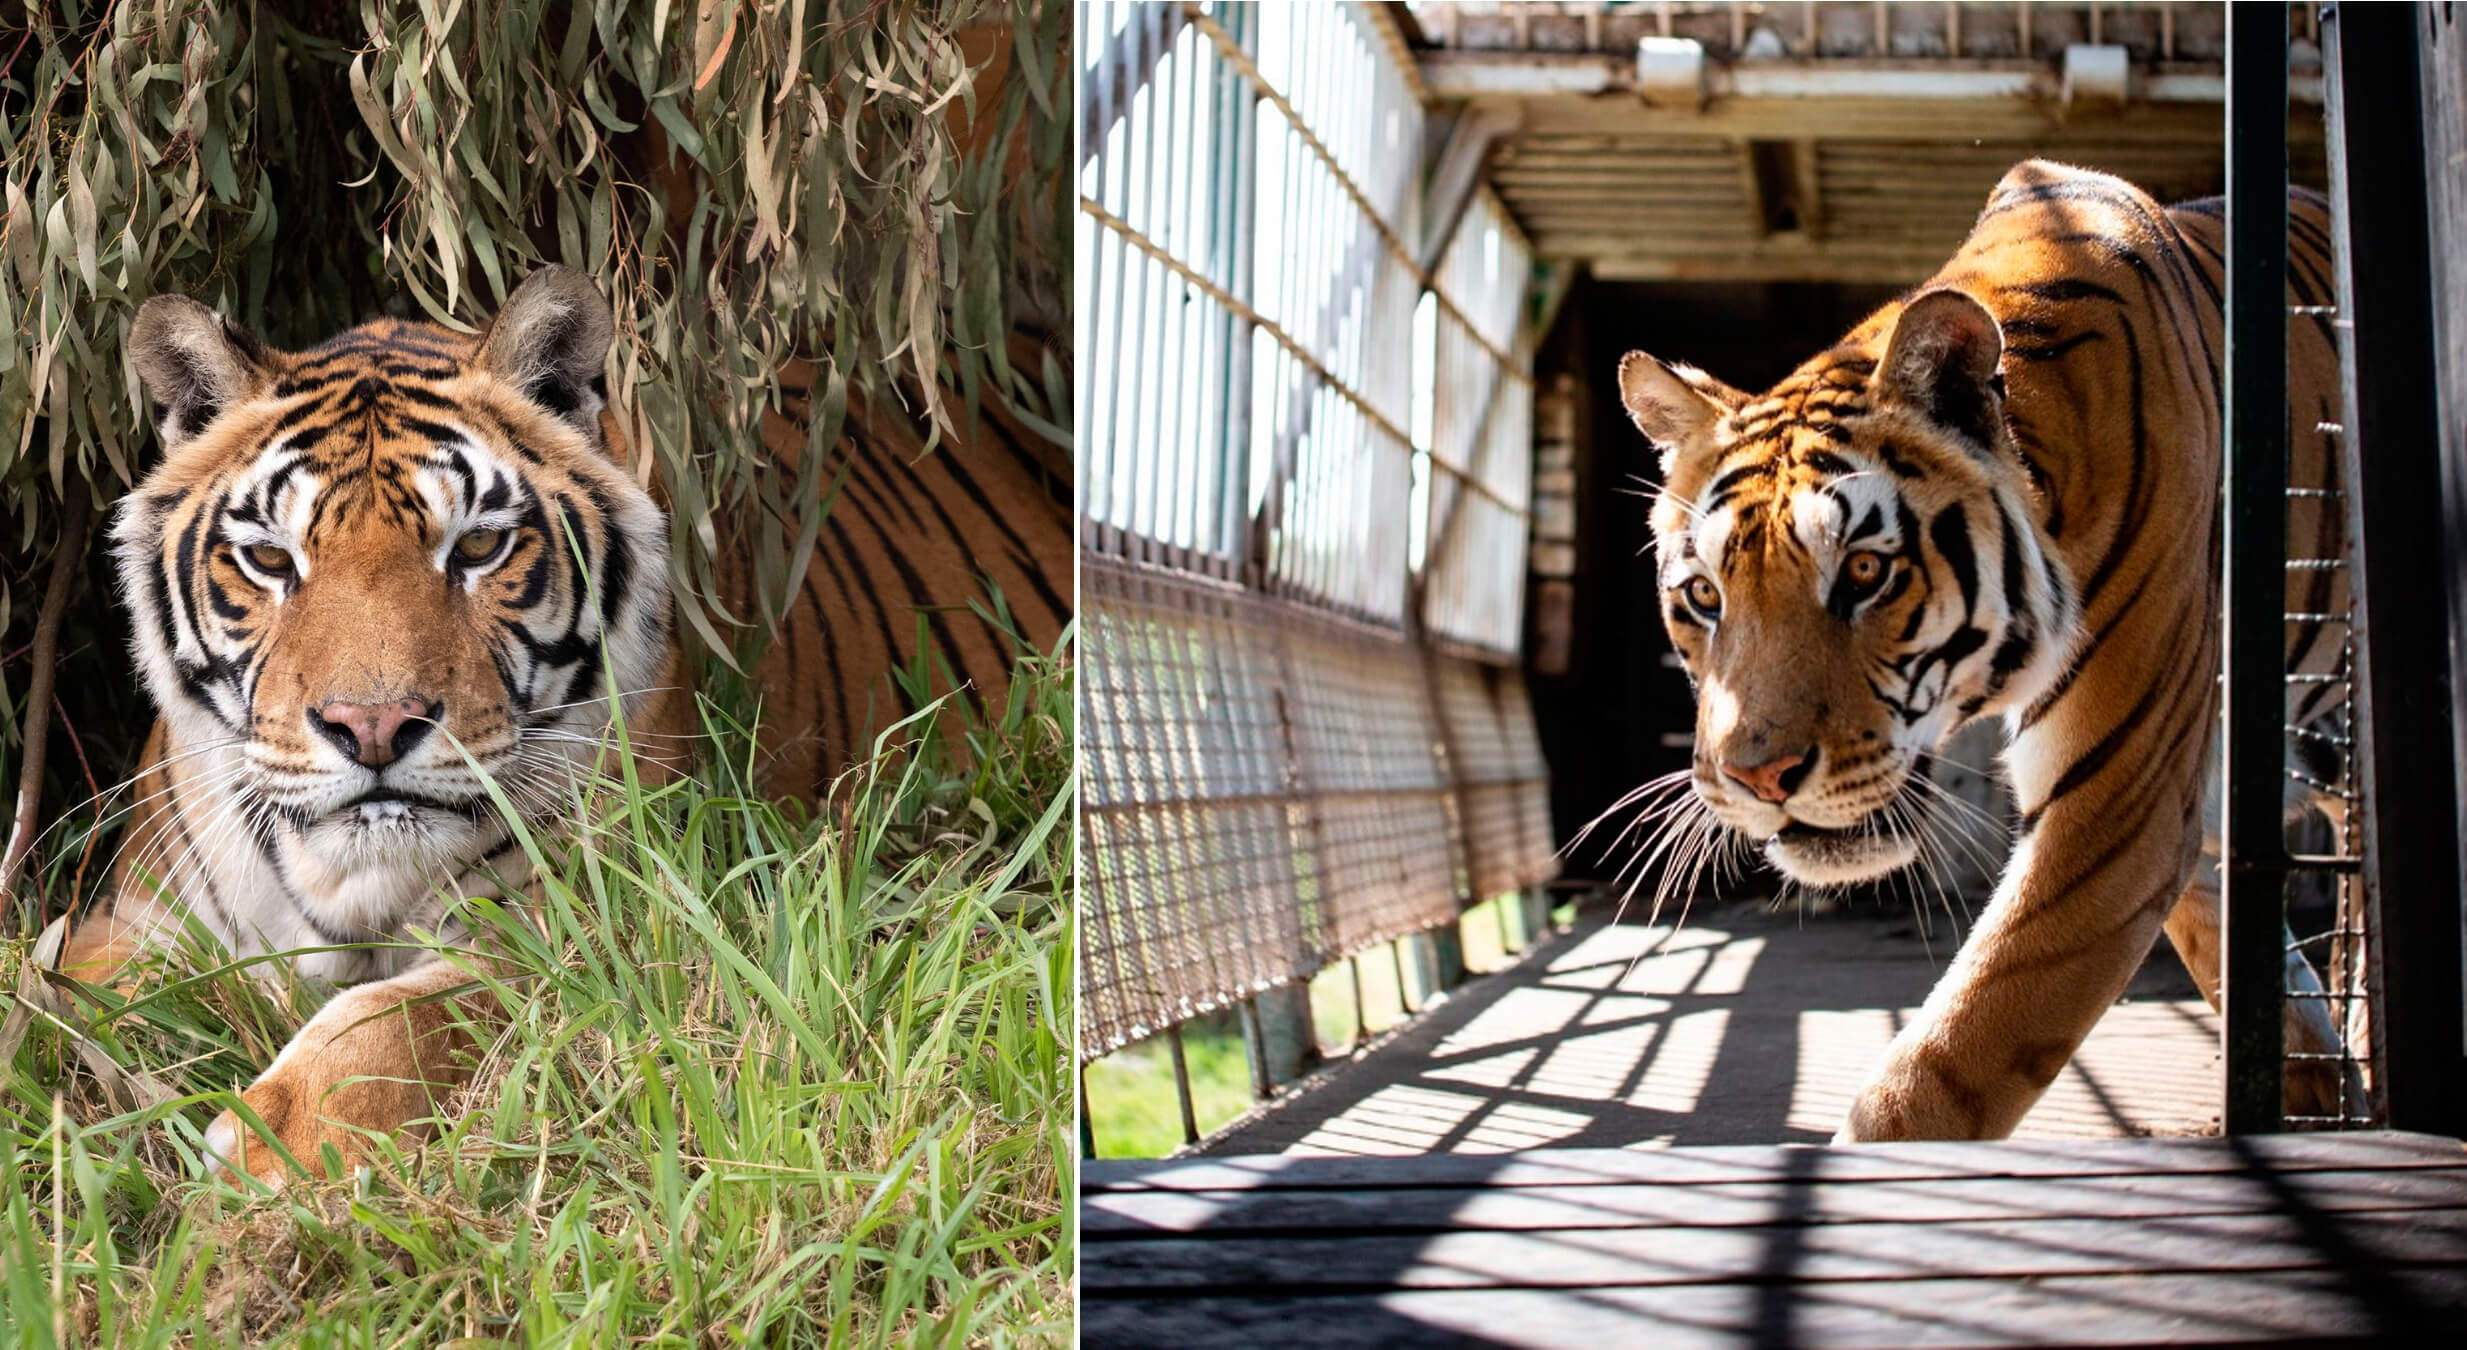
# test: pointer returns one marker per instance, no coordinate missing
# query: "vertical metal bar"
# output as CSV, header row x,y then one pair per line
x,y
1182,1084
1255,1040
1404,991
1190,317
2392,450
1271,532
1139,208
1208,318
2254,871
1087,1128
1168,447
1361,1018
1235,484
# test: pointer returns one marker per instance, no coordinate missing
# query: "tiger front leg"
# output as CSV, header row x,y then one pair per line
x,y
2107,777
2047,959
376,1059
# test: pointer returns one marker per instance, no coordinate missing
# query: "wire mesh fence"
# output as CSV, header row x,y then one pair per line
x,y
2328,922
1305,470
1497,762
1193,894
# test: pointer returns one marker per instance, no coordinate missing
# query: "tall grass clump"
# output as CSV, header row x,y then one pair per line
x,y
762,1080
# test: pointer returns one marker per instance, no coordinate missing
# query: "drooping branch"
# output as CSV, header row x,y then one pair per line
x,y
65,565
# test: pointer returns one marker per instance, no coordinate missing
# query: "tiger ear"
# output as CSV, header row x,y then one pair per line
x,y
1943,362
1671,404
193,362
551,342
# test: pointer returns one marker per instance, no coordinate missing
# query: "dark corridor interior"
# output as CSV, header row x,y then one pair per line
x,y
1619,712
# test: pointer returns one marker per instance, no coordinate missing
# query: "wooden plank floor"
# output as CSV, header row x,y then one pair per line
x,y
1748,1026
2306,1239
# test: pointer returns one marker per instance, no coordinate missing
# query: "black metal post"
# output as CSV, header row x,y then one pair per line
x,y
2253,872
1361,1017
1087,1128
2393,454
1255,1049
1182,1084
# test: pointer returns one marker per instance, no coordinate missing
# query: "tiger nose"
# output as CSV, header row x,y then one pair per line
x,y
1772,780
376,734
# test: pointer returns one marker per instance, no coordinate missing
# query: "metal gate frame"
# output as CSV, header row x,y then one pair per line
x,y
2409,865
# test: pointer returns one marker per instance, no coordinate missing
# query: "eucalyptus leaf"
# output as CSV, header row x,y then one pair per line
x,y
751,183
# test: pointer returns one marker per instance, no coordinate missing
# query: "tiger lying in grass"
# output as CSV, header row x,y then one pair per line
x,y
1996,498
367,574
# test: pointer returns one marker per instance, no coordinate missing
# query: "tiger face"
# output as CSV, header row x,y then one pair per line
x,y
1850,572
367,574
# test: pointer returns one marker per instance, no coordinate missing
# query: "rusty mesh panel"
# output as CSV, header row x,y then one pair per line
x,y
1191,847
1366,741
1502,783
1266,788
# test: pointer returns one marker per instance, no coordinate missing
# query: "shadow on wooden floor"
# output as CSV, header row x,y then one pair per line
x,y
2343,1239
1745,1026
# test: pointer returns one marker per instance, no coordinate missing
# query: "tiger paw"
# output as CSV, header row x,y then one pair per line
x,y
350,1077
309,1103
237,1148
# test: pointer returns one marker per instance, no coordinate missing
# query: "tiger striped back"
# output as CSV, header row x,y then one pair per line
x,y
2316,525
914,536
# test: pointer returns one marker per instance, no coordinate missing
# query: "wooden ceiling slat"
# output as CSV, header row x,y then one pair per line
x,y
1611,172
1894,182
1637,194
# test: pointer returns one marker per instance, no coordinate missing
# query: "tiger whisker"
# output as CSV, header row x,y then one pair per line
x,y
95,800
602,698
1664,784
212,785
227,813
1964,813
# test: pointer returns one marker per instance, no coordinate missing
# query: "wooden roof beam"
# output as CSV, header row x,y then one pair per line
x,y
1491,74
2030,121
1779,258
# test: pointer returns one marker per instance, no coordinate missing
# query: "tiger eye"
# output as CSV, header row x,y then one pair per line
x,y
1865,568
479,545
271,559
1702,593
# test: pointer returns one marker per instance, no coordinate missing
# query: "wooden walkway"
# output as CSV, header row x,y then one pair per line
x,y
1747,1026
2313,1239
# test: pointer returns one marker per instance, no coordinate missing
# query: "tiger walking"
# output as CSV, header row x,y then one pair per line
x,y
1996,498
